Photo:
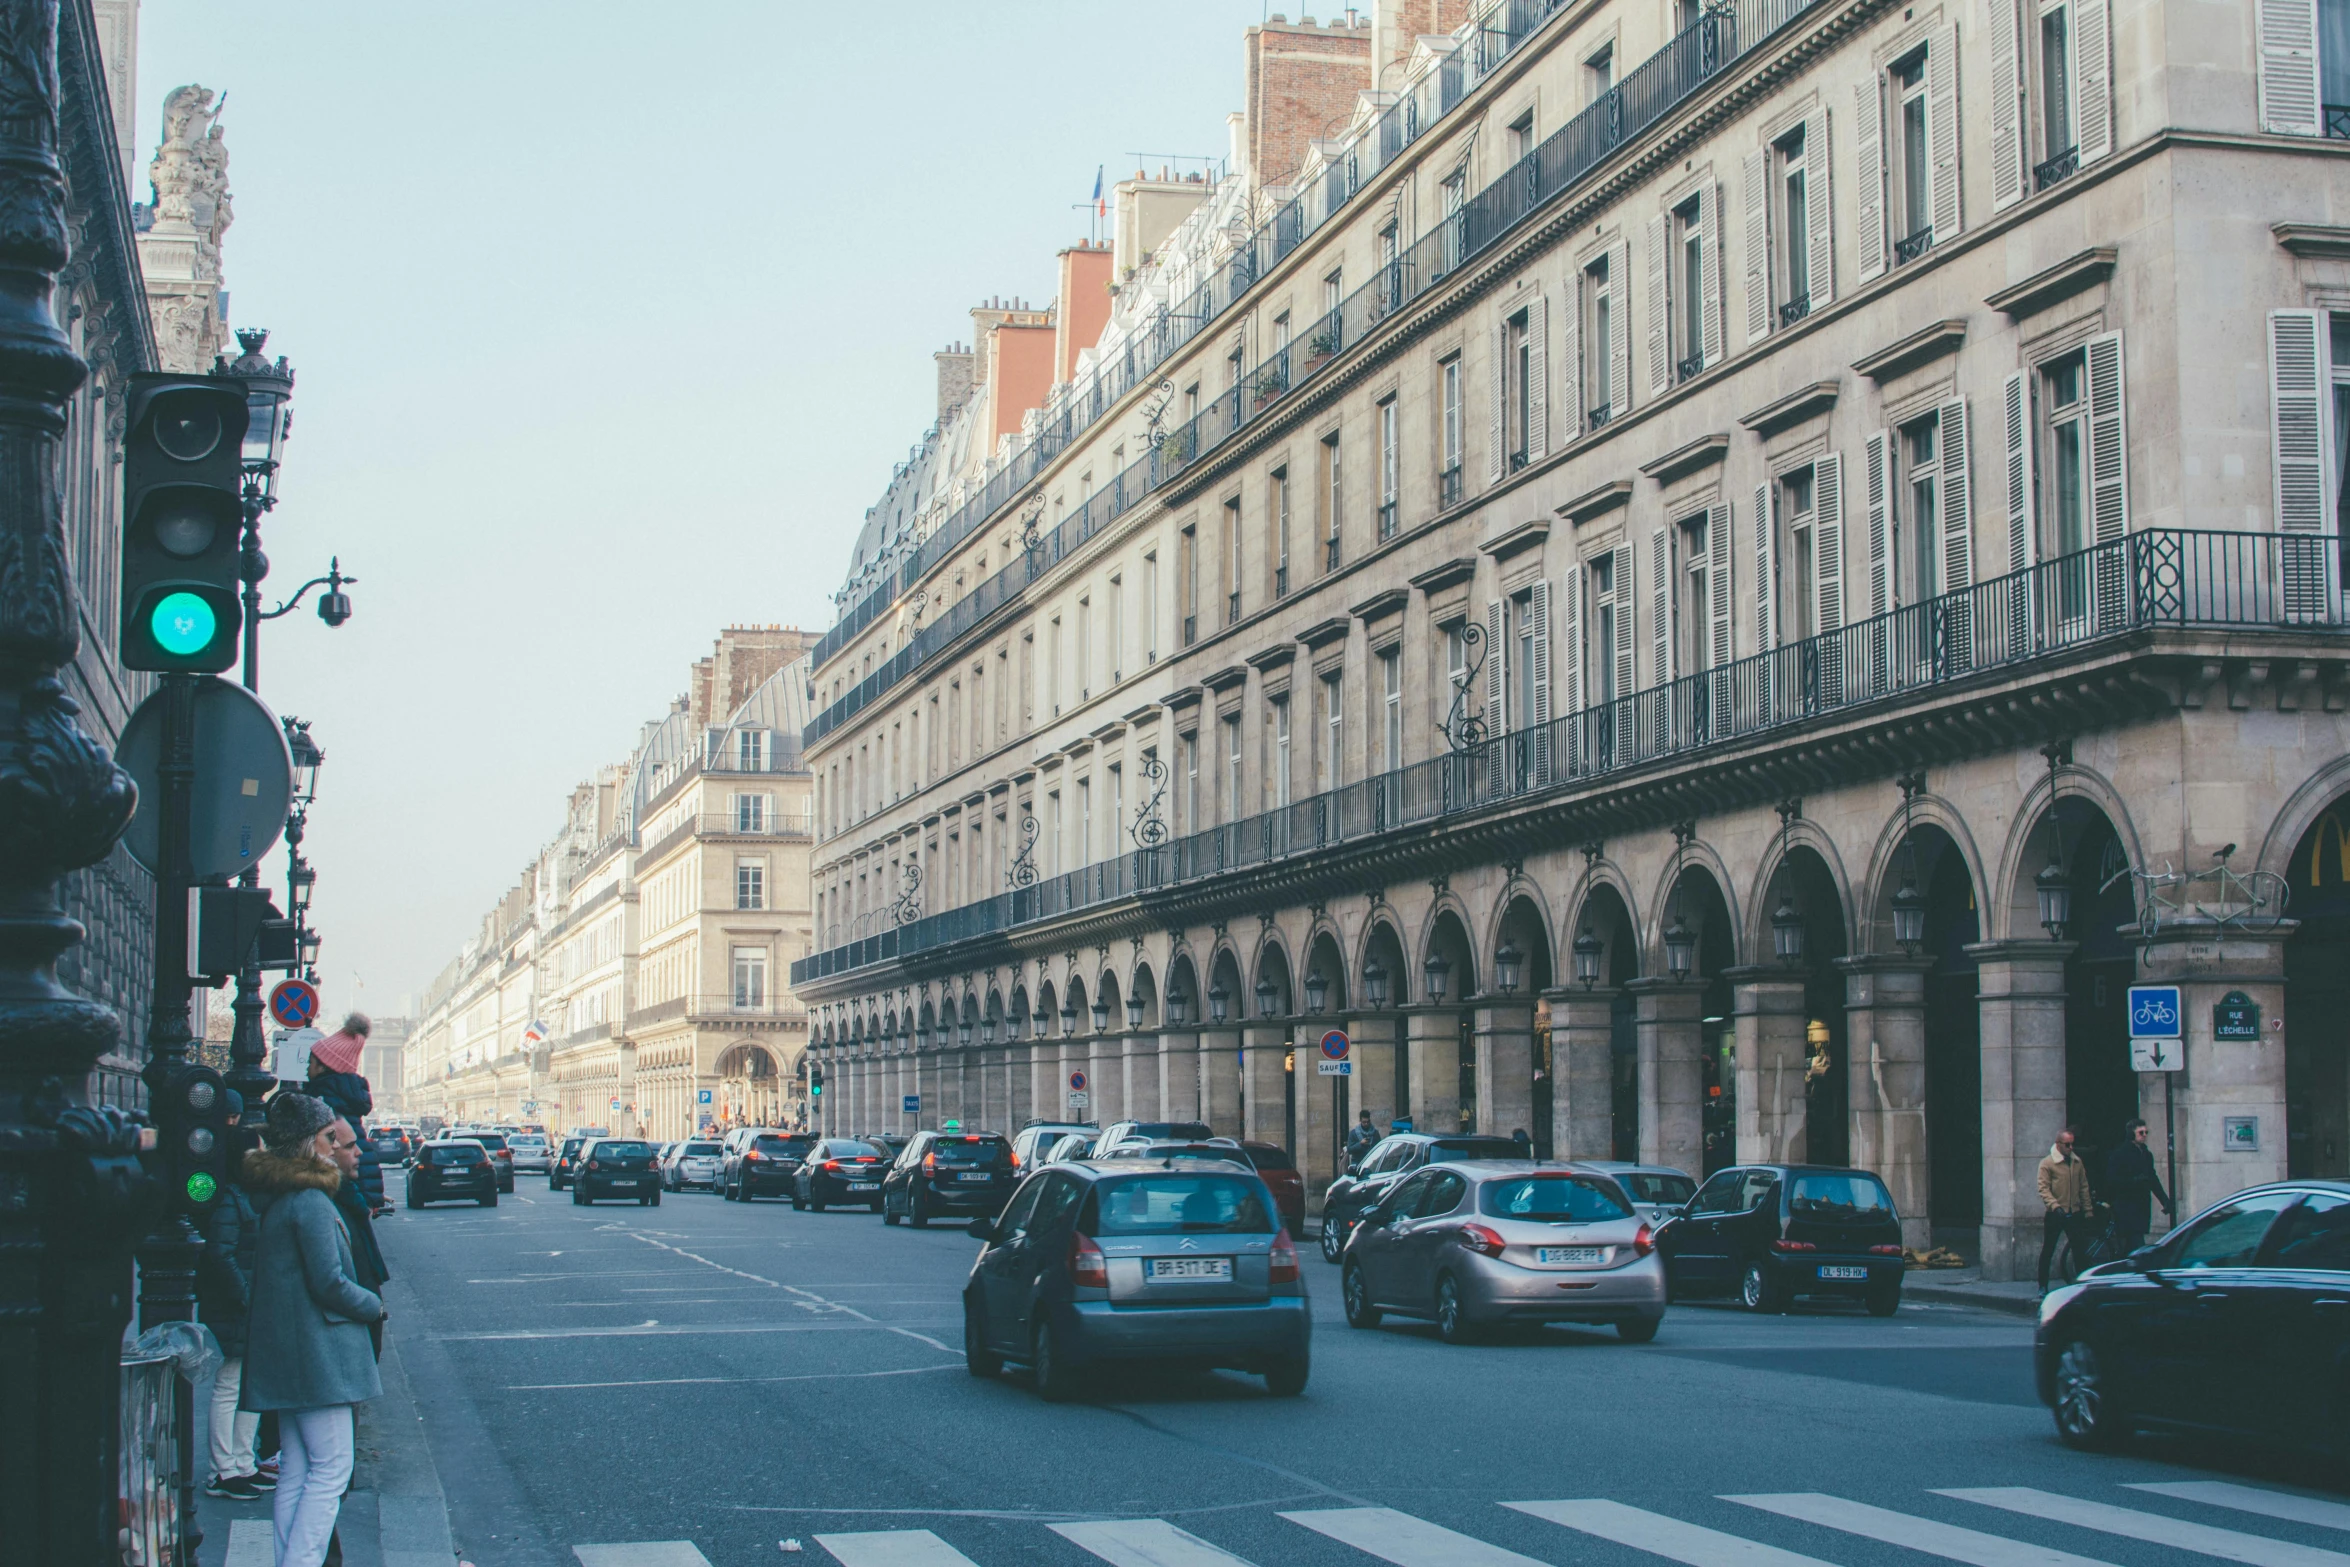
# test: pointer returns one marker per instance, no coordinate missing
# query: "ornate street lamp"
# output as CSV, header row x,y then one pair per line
x,y
1375,985
2055,890
1588,950
1787,930
1178,1005
1435,971
1680,947
963,1033
1134,1014
1909,916
1317,991
1267,994
1506,966
1068,1020
1101,1016
1012,1028
1219,1003
307,756
987,1030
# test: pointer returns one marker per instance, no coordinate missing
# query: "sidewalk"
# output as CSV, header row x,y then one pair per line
x,y
1968,1287
394,1514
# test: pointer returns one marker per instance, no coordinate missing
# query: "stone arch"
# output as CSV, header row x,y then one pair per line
x,y
1183,988
2303,809
1075,1015
1446,936
1047,1016
1523,921
1107,1016
1888,863
1802,837
1383,944
1016,1018
2316,992
1272,967
926,1025
1606,911
2029,843
1224,974
1802,881
1326,960
1710,870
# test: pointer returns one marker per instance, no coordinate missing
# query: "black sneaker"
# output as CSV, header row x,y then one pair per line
x,y
263,1481
235,1488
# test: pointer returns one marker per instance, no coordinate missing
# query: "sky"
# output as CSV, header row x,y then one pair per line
x,y
608,323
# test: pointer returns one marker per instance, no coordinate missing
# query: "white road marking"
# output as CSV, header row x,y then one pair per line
x,y
1918,1534
677,1332
813,1376
806,1299
893,1548
1662,1536
2153,1528
252,1542
1145,1542
1404,1540
642,1553
2252,1499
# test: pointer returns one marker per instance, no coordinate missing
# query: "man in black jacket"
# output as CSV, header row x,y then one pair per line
x,y
224,1296
2131,1186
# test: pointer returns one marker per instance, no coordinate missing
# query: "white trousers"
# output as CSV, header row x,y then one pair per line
x,y
232,1430
313,1470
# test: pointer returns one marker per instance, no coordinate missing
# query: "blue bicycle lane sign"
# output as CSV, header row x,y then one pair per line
x,y
2156,1013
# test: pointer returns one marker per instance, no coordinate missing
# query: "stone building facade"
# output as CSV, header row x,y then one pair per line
x,y
1714,584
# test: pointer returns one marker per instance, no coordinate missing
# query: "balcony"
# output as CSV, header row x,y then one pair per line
x,y
1908,250
1598,417
1190,629
2155,580
1330,553
1387,521
1232,608
2062,167
1689,369
1449,488
1795,310
1281,582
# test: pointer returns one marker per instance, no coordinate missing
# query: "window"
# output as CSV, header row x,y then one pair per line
x,y
1333,730
1917,517
1599,337
2315,1234
2064,387
1391,686
1187,563
1059,663
1117,773
1190,797
750,978
1792,156
1278,764
1390,476
1084,822
1449,478
1083,674
1058,845
1456,663
1517,361
1232,560
750,750
750,884
1390,271
1521,136
1686,230
1333,499
750,812
1912,161
1232,768
1333,296
1281,333
1114,631
1280,532
1797,526
1150,609
2056,102
1599,74
1453,193
1609,611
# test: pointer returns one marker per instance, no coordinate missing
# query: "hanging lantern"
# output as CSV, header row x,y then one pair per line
x,y
1508,963
1436,970
1219,1003
1133,1013
1317,991
1909,916
1178,1005
1375,984
1266,996
1680,947
1588,949
1787,930
2056,897
1101,1016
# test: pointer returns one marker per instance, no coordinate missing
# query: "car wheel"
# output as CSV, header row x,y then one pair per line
x,y
579,1196
1056,1379
797,1206
1333,1239
914,1214
888,1216
1360,1313
1452,1316
815,1203
1885,1302
1638,1330
1286,1377
2088,1415
978,1359
1756,1292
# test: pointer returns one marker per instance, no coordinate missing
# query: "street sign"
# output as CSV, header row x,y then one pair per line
x,y
2240,1133
293,1054
293,1002
615,1104
913,1104
1077,1082
243,787
2156,1013
702,1096
2157,1055
1079,1099
2235,1017
705,1119
1334,1062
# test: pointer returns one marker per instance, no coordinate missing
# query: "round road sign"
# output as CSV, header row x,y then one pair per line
x,y
293,1002
1334,1044
1077,1082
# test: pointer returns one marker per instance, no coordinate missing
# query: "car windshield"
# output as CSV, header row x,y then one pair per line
x,y
1840,1197
1183,1151
1180,1204
1170,1131
783,1145
571,1145
490,1140
1559,1199
972,1150
530,1142
700,1151
456,1154
1671,1190
1455,1150
623,1151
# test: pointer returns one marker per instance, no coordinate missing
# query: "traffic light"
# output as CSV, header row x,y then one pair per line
x,y
183,509
196,1136
815,1082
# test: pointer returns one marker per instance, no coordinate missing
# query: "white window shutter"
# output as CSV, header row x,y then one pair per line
x,y
1709,260
2288,67
1821,220
1538,606
2294,400
1720,650
1571,698
2015,423
1876,497
1571,358
1627,675
1619,352
1497,410
2002,17
2093,78
1497,684
1958,549
1827,500
1869,159
1660,607
1758,245
2109,479
1660,374
1537,379
1942,130
1766,574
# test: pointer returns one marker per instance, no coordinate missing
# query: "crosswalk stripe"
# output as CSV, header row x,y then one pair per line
x,y
2252,1499
1662,1536
1406,1541
252,1542
1918,1534
893,1548
2227,1544
642,1553
1145,1542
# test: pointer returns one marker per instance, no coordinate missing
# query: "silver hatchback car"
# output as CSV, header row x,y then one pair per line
x,y
1470,1246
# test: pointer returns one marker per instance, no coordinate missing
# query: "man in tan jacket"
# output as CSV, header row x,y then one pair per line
x,y
2064,1192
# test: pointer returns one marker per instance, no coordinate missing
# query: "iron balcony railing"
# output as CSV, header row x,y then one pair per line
x,y
1646,95
2155,578
1908,249
2063,166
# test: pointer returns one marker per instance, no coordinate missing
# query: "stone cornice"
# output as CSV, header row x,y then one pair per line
x,y
1682,461
1510,541
1597,502
1784,413
2073,275
1437,578
1905,354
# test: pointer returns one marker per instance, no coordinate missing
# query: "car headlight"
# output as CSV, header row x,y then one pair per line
x,y
2056,1300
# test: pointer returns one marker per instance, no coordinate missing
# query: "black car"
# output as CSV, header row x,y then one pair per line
x,y
840,1171
392,1146
565,1165
447,1171
763,1164
616,1167
1767,1233
1389,1160
948,1173
2235,1321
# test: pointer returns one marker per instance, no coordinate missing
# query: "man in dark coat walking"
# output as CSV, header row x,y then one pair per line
x,y
2131,1186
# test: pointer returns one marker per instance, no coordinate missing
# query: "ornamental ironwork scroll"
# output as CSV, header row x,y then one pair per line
x,y
1150,826
1023,869
908,908
1462,729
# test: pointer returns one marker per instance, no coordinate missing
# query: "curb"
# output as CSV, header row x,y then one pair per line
x,y
1964,1295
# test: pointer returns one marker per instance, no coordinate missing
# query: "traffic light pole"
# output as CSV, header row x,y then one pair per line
x,y
247,1046
76,1195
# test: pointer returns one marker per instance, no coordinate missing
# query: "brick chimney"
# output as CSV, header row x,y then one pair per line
x,y
954,379
1084,307
1302,83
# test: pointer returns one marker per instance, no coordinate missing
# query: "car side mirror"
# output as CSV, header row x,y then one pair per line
x,y
983,1230
1354,1168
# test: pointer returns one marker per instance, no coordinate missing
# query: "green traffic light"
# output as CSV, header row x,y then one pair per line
x,y
201,1186
182,624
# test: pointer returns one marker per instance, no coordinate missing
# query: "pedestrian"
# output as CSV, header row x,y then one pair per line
x,y
2064,1194
306,1348
2131,1186
369,1268
1361,1137
335,1078
224,1295
1525,1143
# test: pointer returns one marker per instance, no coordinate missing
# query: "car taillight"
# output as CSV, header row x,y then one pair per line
x,y
1884,1251
754,1156
1793,1246
1282,1268
832,1164
1644,1242
866,1158
483,1167
1480,1239
593,1165
1088,1268
929,1163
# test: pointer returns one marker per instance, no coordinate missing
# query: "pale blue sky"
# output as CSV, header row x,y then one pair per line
x,y
609,322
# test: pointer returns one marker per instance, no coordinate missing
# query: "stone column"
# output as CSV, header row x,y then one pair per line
x,y
1432,1044
1318,1100
2232,1080
1505,1066
2020,991
1372,1087
1768,1023
1582,1044
1219,1079
1672,1039
1885,1031
1264,1096
1141,1069
1019,1086
1178,1069
1105,1071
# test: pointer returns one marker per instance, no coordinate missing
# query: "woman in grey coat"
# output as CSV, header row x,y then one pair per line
x,y
307,1351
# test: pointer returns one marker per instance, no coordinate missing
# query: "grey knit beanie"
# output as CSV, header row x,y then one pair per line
x,y
294,1119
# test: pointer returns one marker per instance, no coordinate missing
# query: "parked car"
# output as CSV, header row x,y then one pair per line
x,y
1119,1133
693,1163
2232,1322
1659,1191
840,1171
447,1169
1770,1233
530,1152
1072,1145
948,1174
1081,1245
891,1143
1033,1142
616,1167
1389,1160
566,1163
501,1156
762,1164
1474,1245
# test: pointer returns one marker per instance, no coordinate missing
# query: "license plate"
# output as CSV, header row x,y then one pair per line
x,y
975,1175
864,1186
1586,1254
625,1181
1187,1267
1831,1272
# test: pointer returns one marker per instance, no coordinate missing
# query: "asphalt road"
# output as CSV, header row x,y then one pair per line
x,y
714,1378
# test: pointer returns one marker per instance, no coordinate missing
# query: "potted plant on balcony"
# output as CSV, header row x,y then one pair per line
x,y
1270,383
1319,349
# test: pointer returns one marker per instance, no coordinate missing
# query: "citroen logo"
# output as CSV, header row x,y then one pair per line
x,y
1188,1244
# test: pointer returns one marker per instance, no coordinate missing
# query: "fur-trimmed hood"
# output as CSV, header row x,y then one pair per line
x,y
271,1174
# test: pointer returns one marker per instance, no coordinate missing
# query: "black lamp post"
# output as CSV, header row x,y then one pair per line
x,y
1375,985
269,392
2055,890
987,1030
1909,916
1068,1020
1588,950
